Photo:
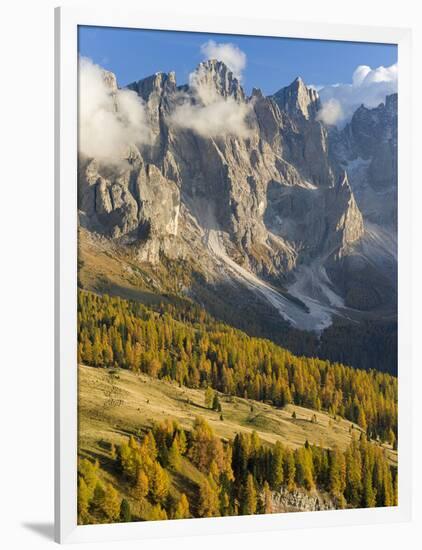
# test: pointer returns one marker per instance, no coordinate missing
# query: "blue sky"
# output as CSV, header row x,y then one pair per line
x,y
271,62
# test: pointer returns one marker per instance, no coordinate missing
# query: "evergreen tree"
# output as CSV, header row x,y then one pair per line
x,y
216,405
224,502
369,496
125,513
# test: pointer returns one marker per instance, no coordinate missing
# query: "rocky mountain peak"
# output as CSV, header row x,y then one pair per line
x,y
298,100
216,77
391,102
110,80
157,83
275,206
367,148
369,128
257,92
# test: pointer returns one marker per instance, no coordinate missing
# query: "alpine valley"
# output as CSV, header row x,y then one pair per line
x,y
237,300
286,230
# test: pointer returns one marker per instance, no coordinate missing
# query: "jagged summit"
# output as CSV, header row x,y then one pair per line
x,y
298,100
212,75
110,80
215,76
257,92
157,82
285,203
391,101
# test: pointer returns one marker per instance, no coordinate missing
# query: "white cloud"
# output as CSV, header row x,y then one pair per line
x,y
331,112
110,120
219,118
228,53
210,114
368,87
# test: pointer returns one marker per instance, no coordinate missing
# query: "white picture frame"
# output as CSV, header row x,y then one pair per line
x,y
66,25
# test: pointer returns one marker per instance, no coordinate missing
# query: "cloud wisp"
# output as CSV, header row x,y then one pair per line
x,y
110,119
228,53
219,118
368,87
206,111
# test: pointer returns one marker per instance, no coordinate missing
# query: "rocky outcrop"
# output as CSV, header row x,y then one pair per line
x,y
298,101
138,201
300,501
214,77
317,221
367,149
279,195
305,137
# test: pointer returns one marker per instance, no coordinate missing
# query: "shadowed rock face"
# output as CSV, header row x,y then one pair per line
x,y
278,195
321,221
367,149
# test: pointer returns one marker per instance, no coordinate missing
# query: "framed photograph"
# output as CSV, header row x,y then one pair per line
x,y
232,275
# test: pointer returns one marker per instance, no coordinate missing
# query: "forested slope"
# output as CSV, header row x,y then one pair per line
x,y
185,344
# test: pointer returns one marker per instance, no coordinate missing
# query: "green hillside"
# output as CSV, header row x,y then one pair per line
x,y
182,342
183,416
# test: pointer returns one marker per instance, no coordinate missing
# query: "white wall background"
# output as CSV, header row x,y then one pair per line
x,y
26,304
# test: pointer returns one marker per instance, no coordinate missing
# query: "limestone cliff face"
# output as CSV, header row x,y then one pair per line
x,y
276,192
318,221
306,138
215,76
298,101
367,149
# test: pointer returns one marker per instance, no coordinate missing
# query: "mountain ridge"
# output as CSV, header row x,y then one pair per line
x,y
284,198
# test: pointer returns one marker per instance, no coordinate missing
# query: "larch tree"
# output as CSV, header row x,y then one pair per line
x,y
277,466
111,503
158,483
289,470
182,509
249,497
209,397
84,497
174,457
208,499
267,499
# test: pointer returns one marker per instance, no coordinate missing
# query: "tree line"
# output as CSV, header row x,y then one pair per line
x,y
237,477
182,342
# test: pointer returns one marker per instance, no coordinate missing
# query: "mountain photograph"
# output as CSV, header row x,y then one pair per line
x,y
237,275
